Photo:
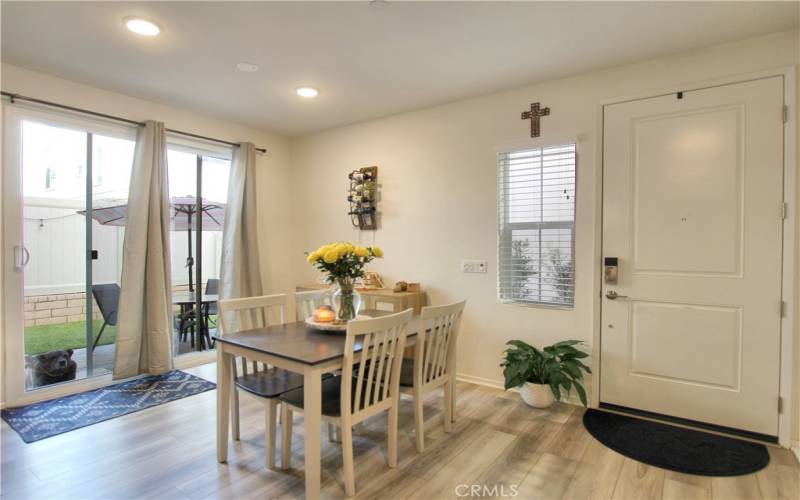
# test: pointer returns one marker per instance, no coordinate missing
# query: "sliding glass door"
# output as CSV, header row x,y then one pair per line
x,y
54,248
198,184
65,189
66,266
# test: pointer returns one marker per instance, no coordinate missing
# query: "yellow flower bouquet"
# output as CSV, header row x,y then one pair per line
x,y
344,263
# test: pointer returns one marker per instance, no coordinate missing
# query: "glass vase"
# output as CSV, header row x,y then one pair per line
x,y
346,301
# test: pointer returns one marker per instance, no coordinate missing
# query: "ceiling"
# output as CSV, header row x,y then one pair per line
x,y
367,60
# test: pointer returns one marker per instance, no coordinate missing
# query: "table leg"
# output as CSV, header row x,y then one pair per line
x,y
180,324
224,384
312,409
207,326
201,326
191,324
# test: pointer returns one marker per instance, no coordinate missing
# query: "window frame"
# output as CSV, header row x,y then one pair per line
x,y
505,229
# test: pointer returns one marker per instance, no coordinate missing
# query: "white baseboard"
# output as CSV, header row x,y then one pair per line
x,y
486,382
572,399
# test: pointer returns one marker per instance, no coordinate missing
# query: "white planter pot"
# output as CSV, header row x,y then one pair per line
x,y
537,395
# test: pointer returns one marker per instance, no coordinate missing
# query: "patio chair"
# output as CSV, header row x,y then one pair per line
x,y
212,288
107,298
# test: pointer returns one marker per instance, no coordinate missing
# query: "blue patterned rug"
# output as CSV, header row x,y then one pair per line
x,y
57,416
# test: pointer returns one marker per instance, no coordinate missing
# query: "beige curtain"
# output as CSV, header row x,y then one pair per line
x,y
144,331
240,273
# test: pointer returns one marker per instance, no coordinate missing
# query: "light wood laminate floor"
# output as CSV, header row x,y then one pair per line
x,y
498,444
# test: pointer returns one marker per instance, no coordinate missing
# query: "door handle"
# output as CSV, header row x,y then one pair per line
x,y
23,256
612,295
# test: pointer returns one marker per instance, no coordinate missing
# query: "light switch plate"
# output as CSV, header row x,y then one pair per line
x,y
473,266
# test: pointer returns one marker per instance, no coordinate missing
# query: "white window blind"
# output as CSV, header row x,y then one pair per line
x,y
536,226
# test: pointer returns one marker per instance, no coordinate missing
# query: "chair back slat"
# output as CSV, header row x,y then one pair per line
x,y
382,341
436,341
362,363
249,313
307,302
383,364
376,344
444,326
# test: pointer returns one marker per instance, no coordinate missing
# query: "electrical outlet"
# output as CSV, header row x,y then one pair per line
x,y
473,266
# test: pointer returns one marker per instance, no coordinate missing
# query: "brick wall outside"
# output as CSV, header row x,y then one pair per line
x,y
63,307
57,308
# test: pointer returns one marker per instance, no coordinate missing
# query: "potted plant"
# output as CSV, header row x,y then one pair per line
x,y
541,374
344,263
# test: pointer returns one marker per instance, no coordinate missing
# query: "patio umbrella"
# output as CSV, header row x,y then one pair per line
x,y
184,218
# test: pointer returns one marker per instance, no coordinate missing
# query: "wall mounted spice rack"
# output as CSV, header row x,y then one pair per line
x,y
362,197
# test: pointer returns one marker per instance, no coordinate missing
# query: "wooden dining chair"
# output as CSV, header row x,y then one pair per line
x,y
307,302
356,395
434,363
251,377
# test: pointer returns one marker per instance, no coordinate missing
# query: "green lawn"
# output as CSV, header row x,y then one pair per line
x,y
61,336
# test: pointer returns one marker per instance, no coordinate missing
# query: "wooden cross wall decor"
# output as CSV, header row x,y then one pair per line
x,y
533,115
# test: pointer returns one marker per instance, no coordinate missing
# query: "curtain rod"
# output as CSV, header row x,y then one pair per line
x,y
13,96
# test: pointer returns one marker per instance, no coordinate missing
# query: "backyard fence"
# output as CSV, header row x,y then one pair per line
x,y
55,277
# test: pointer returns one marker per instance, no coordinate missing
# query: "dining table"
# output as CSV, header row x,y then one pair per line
x,y
299,348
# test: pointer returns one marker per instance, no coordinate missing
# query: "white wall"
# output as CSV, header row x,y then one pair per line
x,y
273,168
437,171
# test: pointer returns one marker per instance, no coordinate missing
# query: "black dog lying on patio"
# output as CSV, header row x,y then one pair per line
x,y
50,367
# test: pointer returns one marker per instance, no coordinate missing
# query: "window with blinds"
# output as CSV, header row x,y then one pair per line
x,y
536,226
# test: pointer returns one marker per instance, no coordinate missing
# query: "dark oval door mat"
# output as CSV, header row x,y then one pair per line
x,y
675,448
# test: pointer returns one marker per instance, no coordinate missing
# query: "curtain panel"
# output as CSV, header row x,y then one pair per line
x,y
240,272
144,331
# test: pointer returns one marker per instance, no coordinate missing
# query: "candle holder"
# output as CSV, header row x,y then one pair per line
x,y
324,314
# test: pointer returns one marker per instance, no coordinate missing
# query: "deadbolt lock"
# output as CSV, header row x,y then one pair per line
x,y
611,270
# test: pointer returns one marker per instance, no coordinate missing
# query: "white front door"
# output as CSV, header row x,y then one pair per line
x,y
692,209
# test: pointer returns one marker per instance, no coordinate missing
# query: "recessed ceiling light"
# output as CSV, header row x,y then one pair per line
x,y
307,92
142,26
245,67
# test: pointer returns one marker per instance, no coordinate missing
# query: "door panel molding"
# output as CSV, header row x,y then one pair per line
x,y
640,224
789,414
657,369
